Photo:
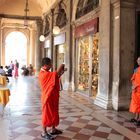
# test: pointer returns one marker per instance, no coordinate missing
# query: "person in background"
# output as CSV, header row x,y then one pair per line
x,y
16,66
25,71
30,69
49,83
135,100
2,71
8,71
11,65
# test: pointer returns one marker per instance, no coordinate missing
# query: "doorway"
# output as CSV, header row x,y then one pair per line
x,y
16,48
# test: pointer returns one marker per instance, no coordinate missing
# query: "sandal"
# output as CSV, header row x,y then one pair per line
x,y
56,132
47,136
137,123
133,120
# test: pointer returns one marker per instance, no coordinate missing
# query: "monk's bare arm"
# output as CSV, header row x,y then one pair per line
x,y
61,70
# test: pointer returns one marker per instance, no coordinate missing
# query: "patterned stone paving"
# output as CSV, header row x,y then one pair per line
x,y
80,119
122,121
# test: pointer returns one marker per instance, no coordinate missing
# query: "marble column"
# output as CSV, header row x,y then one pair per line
x,y
104,98
38,49
31,47
116,53
52,38
68,49
0,42
123,50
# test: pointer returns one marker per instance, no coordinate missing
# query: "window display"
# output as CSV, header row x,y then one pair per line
x,y
95,67
88,65
83,64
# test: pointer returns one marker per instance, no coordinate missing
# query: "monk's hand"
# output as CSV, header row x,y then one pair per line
x,y
134,87
65,69
61,70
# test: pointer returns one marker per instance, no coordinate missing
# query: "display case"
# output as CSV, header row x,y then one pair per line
x,y
83,64
88,65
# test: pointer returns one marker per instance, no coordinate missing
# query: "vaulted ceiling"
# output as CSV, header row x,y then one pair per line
x,y
16,7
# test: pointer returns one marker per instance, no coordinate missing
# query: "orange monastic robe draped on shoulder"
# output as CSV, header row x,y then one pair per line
x,y
49,83
135,101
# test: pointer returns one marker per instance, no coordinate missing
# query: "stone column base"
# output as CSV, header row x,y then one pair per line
x,y
103,102
121,104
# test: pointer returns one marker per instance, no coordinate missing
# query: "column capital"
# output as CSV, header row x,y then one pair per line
x,y
128,3
39,22
115,3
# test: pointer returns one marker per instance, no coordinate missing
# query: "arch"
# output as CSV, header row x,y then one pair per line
x,y
7,30
25,32
46,25
74,9
79,8
61,19
16,47
85,6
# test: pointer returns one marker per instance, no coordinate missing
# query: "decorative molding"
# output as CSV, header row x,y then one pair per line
x,y
93,14
128,3
20,17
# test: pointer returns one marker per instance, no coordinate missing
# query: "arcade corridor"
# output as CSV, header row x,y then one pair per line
x,y
80,119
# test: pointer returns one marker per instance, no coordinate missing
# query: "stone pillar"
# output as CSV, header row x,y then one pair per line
x,y
38,49
52,38
0,42
68,50
33,61
103,98
31,47
123,47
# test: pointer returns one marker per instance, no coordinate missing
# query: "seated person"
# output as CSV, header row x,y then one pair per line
x,y
25,71
3,73
8,71
30,69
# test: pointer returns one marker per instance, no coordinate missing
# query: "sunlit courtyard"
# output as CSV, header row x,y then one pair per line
x,y
16,48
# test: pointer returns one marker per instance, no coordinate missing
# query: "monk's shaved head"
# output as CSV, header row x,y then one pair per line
x,y
138,60
46,61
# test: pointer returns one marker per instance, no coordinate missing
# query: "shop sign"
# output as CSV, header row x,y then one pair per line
x,y
60,39
90,27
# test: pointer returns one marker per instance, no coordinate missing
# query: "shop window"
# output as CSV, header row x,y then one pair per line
x,y
86,7
95,61
87,78
83,64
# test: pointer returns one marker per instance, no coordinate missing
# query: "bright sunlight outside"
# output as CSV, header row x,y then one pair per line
x,y
16,48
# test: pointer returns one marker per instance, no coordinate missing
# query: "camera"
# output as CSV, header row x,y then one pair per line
x,y
65,69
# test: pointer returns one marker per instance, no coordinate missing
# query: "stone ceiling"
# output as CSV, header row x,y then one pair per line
x,y
16,7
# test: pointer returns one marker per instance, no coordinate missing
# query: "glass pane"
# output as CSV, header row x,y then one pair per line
x,y
83,64
95,66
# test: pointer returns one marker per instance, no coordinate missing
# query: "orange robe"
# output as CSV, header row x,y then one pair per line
x,y
135,101
49,83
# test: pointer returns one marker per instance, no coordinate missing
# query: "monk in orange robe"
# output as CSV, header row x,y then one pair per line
x,y
135,101
49,83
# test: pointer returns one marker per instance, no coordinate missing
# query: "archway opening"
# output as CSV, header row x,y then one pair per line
x,y
16,48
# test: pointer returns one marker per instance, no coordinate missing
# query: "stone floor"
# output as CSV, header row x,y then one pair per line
x,y
79,118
